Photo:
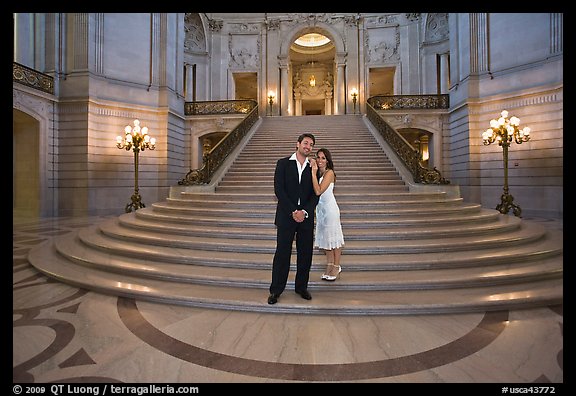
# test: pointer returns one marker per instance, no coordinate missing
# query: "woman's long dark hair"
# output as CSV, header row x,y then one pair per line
x,y
329,162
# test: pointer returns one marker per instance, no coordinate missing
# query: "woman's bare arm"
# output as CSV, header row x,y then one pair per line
x,y
328,178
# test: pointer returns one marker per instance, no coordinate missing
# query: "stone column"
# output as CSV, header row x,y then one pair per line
x,y
284,96
328,104
298,104
444,73
188,76
339,81
478,43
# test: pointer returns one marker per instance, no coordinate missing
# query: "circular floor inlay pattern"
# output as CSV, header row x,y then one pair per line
x,y
489,328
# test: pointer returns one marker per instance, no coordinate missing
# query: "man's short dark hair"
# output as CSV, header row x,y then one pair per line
x,y
306,135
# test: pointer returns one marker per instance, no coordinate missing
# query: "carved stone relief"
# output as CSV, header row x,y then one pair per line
x,y
381,21
244,28
430,123
215,26
437,27
272,23
244,51
386,47
194,39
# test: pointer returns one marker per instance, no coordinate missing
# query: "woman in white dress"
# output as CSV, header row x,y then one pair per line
x,y
328,234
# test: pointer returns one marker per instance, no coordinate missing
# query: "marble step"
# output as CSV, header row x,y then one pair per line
x,y
405,252
351,182
369,160
326,299
352,173
344,202
342,196
369,153
477,215
367,213
359,175
549,245
353,167
525,233
358,231
392,186
343,184
351,279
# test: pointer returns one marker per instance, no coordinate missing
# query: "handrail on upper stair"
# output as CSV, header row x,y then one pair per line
x,y
409,156
212,160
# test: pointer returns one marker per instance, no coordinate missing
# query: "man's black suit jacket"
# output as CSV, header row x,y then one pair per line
x,y
288,190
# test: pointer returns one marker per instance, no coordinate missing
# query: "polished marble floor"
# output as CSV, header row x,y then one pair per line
x,y
65,334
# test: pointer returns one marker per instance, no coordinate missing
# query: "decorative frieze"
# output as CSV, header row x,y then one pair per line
x,y
352,20
272,23
387,20
556,96
243,28
413,16
215,26
307,19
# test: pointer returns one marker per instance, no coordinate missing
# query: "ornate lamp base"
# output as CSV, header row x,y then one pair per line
x,y
136,202
506,204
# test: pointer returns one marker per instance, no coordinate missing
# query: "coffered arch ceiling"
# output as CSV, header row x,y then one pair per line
x,y
312,47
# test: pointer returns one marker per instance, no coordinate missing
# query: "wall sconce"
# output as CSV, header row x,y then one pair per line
x,y
354,98
137,139
504,131
271,97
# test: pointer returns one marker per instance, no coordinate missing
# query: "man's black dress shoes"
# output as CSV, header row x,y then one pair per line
x,y
273,298
304,294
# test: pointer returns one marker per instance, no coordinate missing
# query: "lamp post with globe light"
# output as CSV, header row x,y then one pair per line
x,y
135,139
504,131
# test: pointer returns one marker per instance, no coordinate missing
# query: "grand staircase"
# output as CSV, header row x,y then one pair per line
x,y
405,252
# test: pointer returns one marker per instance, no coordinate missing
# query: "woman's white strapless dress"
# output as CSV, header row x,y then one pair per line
x,y
328,232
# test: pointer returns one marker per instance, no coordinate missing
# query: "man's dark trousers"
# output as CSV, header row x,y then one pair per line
x,y
281,263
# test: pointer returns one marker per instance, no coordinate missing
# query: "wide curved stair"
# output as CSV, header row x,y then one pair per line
x,y
405,253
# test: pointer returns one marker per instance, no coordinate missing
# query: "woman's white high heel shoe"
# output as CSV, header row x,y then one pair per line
x,y
333,277
325,276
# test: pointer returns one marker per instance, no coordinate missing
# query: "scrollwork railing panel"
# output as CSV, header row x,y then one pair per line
x,y
212,160
32,78
416,102
405,152
219,107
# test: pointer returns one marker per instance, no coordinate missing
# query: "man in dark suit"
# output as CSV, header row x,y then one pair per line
x,y
294,218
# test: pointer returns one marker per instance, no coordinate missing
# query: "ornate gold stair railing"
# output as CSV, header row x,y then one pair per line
x,y
212,160
409,156
413,102
214,107
32,78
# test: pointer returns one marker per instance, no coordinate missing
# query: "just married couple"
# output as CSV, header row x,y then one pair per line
x,y
303,185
